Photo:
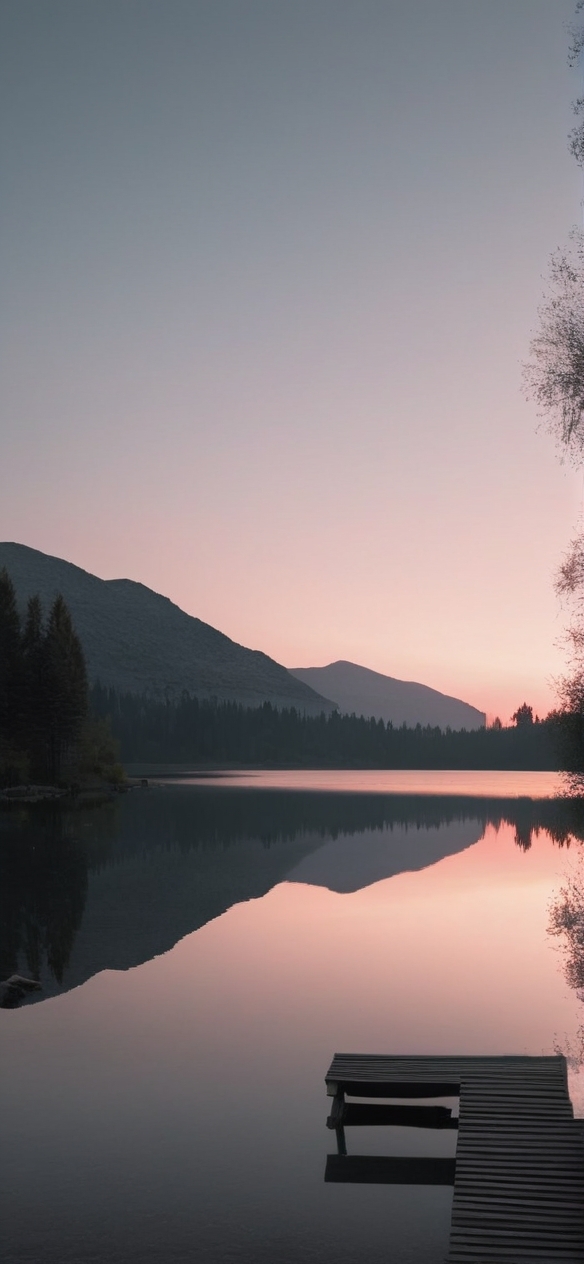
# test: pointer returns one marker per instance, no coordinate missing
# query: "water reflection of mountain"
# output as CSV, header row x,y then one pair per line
x,y
87,890
342,866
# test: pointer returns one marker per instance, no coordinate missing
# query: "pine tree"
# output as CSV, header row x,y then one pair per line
x,y
33,666
64,687
11,666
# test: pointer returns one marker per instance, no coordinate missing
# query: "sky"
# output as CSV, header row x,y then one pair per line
x,y
269,272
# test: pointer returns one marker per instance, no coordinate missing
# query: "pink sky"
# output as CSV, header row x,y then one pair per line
x,y
269,282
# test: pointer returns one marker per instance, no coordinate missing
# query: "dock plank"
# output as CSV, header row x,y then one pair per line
x,y
519,1167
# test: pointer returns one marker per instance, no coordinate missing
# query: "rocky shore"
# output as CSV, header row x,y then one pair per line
x,y
14,989
32,794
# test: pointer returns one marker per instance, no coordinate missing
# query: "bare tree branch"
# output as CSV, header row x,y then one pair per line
x,y
554,376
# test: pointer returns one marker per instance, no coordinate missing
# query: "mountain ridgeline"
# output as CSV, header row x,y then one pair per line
x,y
138,643
359,691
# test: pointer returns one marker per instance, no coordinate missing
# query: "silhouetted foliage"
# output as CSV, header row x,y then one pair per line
x,y
566,923
33,656
554,378
11,670
64,696
576,138
567,920
204,731
43,886
523,715
43,689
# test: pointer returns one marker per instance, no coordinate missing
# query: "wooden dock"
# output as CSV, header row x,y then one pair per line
x,y
518,1174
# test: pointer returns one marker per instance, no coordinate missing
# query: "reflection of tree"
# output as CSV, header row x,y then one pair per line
x,y
43,886
47,853
567,923
567,920
215,816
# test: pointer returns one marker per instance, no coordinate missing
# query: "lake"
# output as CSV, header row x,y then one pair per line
x,y
207,944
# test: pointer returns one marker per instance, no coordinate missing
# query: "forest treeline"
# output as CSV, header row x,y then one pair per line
x,y
46,732
55,728
207,731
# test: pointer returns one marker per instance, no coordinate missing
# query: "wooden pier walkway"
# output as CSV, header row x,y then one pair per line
x,y
518,1174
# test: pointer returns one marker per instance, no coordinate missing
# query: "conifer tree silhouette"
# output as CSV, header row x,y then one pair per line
x,y
64,698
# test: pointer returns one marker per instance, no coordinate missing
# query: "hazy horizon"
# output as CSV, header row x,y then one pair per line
x,y
270,273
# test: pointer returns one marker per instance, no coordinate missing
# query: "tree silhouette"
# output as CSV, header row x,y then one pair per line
x,y
11,679
33,669
64,696
43,688
554,379
523,715
43,888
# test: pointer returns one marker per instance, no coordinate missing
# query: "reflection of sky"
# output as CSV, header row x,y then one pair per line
x,y
270,271
505,784
185,1099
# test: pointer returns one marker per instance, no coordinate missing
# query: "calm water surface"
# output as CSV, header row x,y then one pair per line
x,y
204,950
535,785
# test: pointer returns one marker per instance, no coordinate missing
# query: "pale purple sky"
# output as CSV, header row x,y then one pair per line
x,y
269,271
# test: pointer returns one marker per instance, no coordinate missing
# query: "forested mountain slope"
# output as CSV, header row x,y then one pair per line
x,y
139,642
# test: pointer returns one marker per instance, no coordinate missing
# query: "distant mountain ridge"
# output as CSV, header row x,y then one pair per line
x,y
371,694
139,642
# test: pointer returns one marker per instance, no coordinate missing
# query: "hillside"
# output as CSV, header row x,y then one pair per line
x,y
362,692
140,642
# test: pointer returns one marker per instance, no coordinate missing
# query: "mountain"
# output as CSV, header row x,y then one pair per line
x,y
140,642
369,693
